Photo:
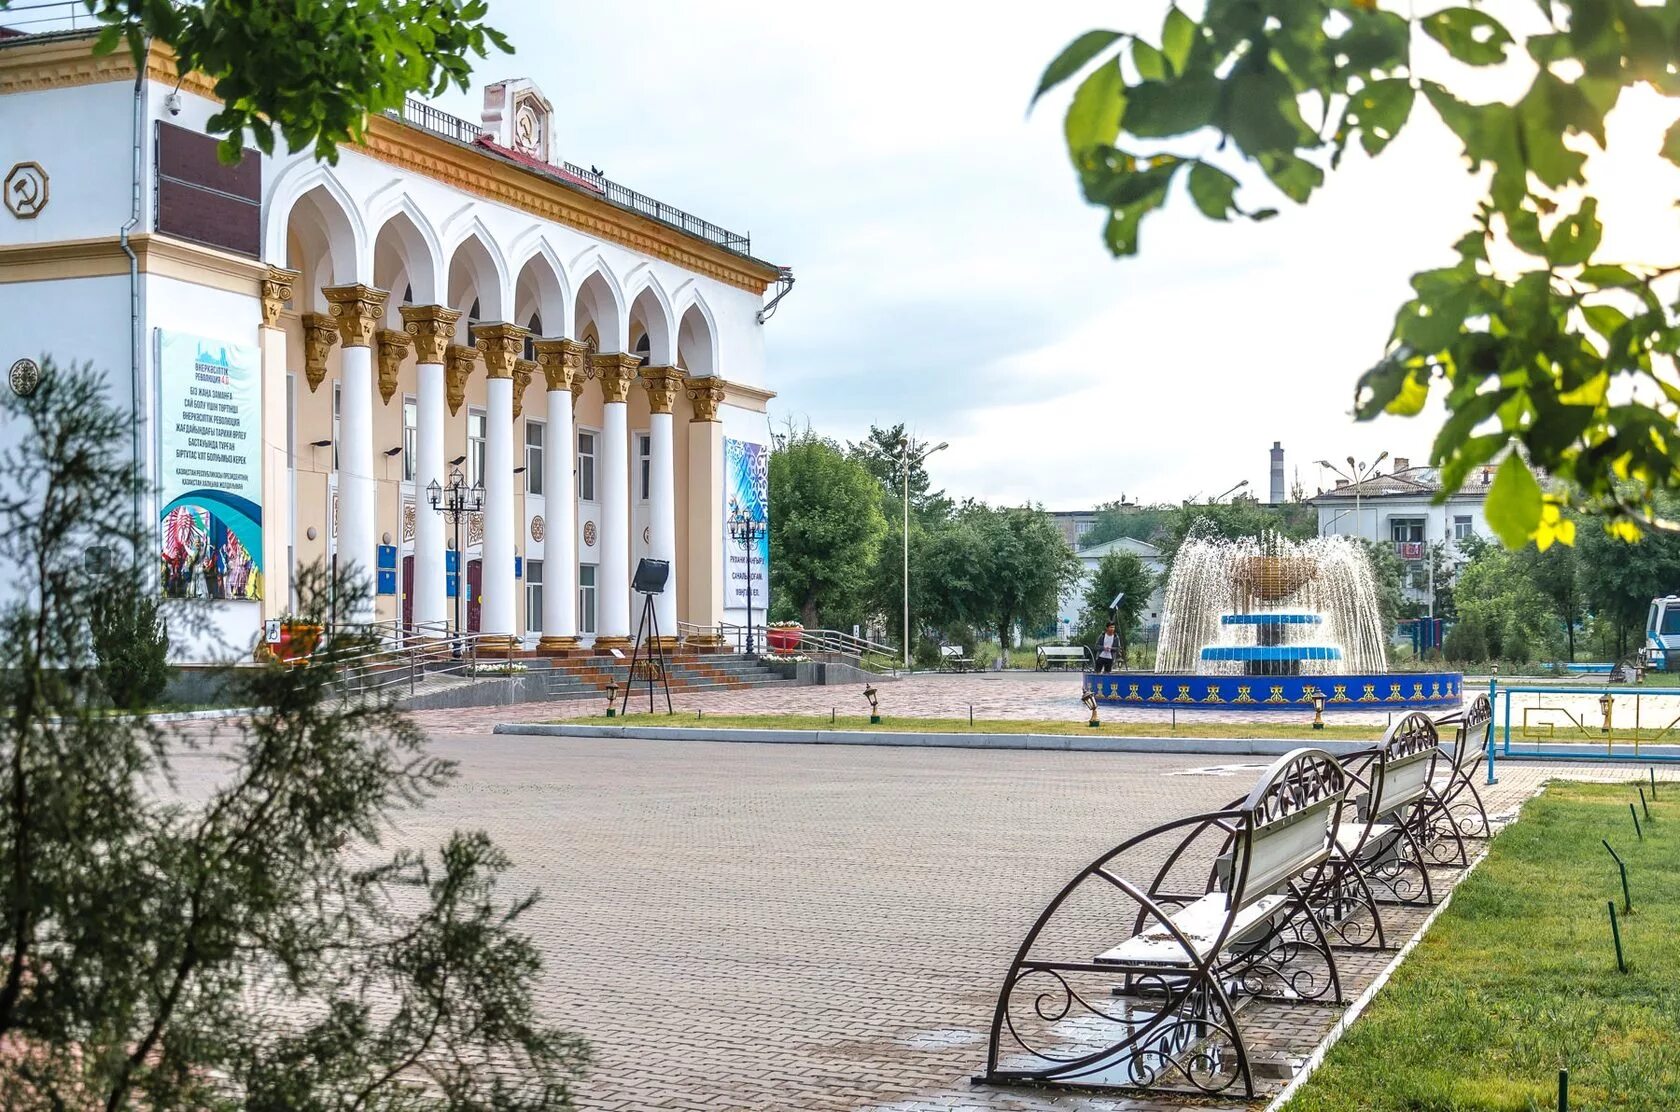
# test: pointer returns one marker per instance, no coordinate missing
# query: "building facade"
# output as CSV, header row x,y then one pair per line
x,y
1072,603
309,351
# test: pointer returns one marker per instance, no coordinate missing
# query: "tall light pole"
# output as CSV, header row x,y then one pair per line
x,y
1215,499
1356,475
904,462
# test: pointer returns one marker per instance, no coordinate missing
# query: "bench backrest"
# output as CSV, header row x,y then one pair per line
x,y
1474,730
1290,818
950,650
1408,749
1061,650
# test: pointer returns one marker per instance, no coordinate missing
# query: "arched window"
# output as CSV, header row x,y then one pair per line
x,y
535,325
643,348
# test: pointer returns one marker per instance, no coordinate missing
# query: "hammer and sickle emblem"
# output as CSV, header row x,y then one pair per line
x,y
26,190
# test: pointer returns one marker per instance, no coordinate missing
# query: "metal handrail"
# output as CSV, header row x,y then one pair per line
x,y
836,642
419,114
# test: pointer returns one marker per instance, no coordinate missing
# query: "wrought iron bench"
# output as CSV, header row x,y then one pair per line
x,y
1158,1009
1063,656
1454,810
953,658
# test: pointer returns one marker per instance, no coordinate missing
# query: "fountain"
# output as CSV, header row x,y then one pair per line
x,y
1268,623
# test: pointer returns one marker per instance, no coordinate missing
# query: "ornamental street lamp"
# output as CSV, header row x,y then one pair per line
x,y
1356,475
457,502
745,530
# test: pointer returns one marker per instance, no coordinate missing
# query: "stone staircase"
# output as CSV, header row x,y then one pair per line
x,y
568,679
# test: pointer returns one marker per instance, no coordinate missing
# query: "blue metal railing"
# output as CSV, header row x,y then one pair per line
x,y
419,114
1649,731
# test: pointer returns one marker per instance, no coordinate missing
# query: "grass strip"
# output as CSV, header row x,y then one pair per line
x,y
1294,727
1517,979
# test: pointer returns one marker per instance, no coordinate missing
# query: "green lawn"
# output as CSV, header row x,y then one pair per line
x,y
1293,726
1518,979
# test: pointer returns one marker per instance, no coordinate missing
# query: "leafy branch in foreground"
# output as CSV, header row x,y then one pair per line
x,y
1549,355
311,69
238,938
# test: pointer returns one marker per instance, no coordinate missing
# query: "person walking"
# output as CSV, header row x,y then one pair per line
x,y
1107,645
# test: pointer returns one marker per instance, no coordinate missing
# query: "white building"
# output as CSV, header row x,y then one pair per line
x,y
1073,600
1399,508
306,348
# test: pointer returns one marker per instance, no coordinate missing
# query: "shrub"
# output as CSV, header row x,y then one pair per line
x,y
131,646
1464,642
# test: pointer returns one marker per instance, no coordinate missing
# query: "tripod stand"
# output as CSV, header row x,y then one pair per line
x,y
653,660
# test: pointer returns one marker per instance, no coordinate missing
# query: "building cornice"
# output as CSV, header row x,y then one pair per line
x,y
742,396
160,255
61,62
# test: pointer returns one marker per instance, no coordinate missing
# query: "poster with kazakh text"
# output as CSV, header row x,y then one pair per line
x,y
209,450
746,486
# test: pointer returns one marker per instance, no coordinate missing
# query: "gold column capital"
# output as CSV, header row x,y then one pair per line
x,y
278,286
615,370
432,326
523,369
391,346
359,309
562,361
319,336
662,384
459,363
501,344
705,394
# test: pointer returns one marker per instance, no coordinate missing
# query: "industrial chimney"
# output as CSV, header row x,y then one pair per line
x,y
1277,472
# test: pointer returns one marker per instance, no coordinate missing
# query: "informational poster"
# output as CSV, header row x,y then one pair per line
x,y
746,488
209,452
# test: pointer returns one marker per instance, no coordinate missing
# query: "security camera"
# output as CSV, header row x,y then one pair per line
x,y
173,103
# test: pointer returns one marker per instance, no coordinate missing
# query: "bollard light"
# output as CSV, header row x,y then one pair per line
x,y
1318,709
1090,702
1606,703
612,694
874,704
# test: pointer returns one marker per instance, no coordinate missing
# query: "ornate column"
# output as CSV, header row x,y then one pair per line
x,y
615,371
432,327
662,385
392,347
705,510
358,309
278,286
501,345
562,365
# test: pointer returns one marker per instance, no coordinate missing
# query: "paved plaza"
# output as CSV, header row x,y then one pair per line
x,y
800,927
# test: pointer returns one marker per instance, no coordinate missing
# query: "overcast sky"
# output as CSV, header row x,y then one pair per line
x,y
950,276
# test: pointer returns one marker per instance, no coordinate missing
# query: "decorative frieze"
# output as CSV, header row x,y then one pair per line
x,y
705,394
320,333
278,286
433,328
502,345
392,347
358,309
662,384
459,363
615,371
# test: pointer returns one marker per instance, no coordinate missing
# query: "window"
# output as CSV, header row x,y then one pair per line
x,y
533,595
411,437
1671,621
335,425
586,467
1462,529
586,598
475,447
644,462
534,326
1406,530
533,457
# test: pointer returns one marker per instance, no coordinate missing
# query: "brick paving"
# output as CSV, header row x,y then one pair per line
x,y
795,927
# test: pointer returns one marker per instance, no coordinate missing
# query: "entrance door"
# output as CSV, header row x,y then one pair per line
x,y
408,593
475,593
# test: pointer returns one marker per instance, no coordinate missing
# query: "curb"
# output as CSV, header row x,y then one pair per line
x,y
912,740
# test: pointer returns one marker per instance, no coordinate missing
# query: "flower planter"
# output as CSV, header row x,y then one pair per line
x,y
783,640
297,642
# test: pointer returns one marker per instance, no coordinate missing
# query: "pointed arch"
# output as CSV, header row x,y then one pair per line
x,y
600,304
540,288
697,344
405,244
328,204
651,309
478,272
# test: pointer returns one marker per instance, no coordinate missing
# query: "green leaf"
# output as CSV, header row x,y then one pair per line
x,y
1575,238
1262,114
1414,391
1513,502
1671,144
1590,393
1093,116
1178,35
1151,63
1072,59
1524,228
1294,175
1471,36
1213,190
1381,110
1156,110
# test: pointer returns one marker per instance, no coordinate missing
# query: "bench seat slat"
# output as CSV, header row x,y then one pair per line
x,y
1200,923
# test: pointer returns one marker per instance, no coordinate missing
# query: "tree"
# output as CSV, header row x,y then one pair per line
x,y
1024,565
1523,352
1118,519
255,948
1118,573
1388,573
1497,597
312,71
1241,518
882,453
825,534
130,643
1557,574
1619,579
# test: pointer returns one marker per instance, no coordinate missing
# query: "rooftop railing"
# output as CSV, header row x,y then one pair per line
x,y
423,116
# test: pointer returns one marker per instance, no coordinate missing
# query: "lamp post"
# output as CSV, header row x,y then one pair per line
x,y
745,530
1356,474
904,462
1216,498
457,502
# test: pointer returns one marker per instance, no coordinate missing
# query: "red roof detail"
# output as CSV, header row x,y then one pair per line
x,y
538,164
